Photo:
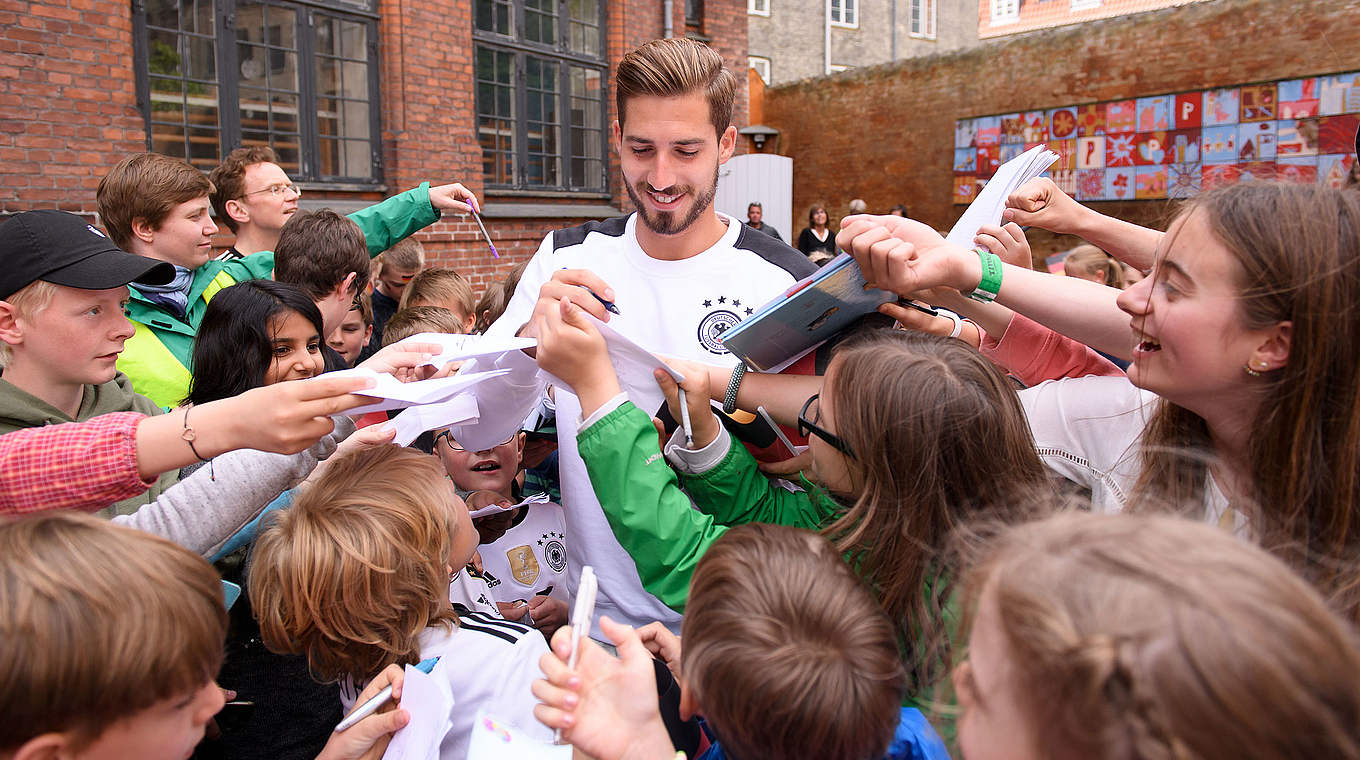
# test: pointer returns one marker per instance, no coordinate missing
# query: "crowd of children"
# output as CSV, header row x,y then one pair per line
x,y
993,542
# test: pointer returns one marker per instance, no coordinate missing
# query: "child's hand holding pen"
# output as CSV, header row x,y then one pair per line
x,y
693,403
574,351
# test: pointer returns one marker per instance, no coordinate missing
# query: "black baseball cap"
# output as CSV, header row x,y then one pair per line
x,y
60,247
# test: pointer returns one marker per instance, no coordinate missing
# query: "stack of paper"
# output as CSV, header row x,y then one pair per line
x,y
987,207
412,422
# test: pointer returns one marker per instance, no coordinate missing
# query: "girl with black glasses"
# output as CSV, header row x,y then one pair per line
x,y
910,435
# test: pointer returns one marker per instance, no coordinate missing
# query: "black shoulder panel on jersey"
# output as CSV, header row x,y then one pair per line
x,y
776,252
577,235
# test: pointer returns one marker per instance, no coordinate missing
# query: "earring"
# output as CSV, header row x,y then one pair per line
x,y
1255,372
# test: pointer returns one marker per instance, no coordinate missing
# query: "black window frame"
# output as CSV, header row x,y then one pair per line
x,y
560,53
228,87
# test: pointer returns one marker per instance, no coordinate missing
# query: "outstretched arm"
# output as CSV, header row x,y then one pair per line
x,y
906,256
1039,203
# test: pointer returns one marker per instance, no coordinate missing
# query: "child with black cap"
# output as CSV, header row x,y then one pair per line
x,y
63,286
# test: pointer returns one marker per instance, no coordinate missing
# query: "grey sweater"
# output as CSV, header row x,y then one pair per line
x,y
200,513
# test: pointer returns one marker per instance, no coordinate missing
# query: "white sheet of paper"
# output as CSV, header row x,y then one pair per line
x,y
503,403
429,700
458,347
538,498
494,740
634,365
413,421
391,393
986,208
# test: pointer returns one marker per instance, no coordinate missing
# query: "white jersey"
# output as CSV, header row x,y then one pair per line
x,y
676,308
490,664
471,590
531,558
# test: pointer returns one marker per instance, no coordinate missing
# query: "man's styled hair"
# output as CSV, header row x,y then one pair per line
x,y
672,67
229,178
27,301
786,650
754,204
146,186
317,250
408,255
440,287
84,646
358,567
420,319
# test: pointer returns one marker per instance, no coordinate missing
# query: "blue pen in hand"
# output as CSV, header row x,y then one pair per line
x,y
379,699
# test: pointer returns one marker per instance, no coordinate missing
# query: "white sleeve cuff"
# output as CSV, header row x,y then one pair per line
x,y
697,461
606,408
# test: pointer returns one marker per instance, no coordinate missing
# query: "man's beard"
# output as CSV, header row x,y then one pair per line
x,y
666,222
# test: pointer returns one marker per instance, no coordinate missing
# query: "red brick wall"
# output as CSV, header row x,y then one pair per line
x,y
885,133
68,109
67,100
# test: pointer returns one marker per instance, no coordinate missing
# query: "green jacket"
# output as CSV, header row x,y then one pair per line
x,y
654,522
651,516
20,409
158,354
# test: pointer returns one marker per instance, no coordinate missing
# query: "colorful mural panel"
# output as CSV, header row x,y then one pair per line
x,y
1176,145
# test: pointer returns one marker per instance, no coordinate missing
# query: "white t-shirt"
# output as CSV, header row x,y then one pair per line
x,y
531,558
675,308
490,664
1090,429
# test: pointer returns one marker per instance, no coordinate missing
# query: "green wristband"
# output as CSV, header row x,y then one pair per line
x,y
986,290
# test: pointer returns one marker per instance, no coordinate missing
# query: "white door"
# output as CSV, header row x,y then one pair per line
x,y
763,178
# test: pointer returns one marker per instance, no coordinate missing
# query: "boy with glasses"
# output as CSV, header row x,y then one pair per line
x,y
157,206
523,550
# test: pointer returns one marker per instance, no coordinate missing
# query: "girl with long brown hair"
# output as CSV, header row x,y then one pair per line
x,y
910,435
1242,404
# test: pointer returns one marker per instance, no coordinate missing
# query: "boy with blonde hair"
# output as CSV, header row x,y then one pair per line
x,y
444,288
99,664
62,289
421,319
356,576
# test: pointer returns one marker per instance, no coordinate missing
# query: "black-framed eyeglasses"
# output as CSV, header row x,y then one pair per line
x,y
808,427
275,190
456,446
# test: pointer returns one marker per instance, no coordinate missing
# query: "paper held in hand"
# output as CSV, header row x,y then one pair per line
x,y
392,393
634,365
454,348
538,498
986,208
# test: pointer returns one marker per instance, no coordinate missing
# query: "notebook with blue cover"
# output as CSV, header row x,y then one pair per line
x,y
802,317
